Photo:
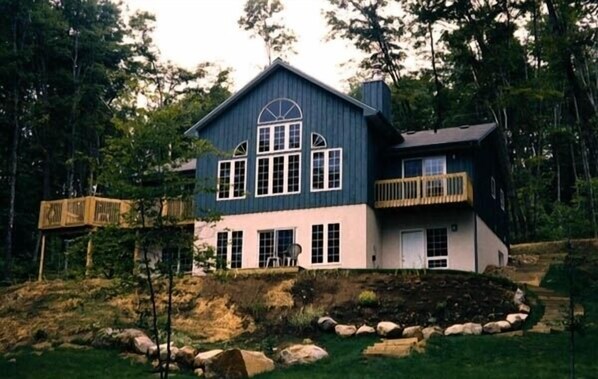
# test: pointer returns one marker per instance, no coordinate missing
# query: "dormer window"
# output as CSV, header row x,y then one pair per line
x,y
240,150
318,141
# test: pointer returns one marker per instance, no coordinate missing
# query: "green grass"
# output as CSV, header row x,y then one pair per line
x,y
73,364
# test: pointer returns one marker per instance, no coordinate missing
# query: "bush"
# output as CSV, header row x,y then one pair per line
x,y
304,318
367,298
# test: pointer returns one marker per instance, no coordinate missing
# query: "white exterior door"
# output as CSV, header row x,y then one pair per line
x,y
412,249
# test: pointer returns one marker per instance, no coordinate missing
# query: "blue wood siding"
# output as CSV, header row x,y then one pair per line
x,y
341,123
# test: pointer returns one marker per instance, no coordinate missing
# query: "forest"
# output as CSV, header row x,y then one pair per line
x,y
78,76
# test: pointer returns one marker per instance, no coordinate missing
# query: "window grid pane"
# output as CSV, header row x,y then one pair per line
x,y
333,243
334,169
264,140
263,168
224,180
221,249
236,249
294,136
279,137
437,242
278,175
239,179
437,263
293,173
266,248
317,244
284,239
317,176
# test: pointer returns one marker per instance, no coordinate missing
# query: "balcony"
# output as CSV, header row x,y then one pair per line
x,y
424,190
92,211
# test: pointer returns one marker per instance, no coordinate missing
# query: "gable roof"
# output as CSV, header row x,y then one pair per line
x,y
372,114
447,136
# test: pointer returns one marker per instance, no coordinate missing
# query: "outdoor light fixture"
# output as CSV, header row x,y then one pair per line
x,y
454,227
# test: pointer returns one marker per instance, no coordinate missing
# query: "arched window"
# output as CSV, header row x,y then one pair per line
x,y
280,110
317,141
240,150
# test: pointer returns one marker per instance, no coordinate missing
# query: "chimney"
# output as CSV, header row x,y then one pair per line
x,y
376,94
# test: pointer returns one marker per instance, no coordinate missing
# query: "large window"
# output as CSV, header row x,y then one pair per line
x,y
427,166
180,258
325,243
279,138
273,243
229,249
278,175
326,169
231,179
437,248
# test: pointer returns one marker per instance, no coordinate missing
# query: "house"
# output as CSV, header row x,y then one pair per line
x,y
304,163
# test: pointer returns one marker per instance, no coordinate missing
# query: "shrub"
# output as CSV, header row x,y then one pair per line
x,y
367,298
304,318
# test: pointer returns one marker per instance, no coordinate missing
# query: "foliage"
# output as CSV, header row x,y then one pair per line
x,y
305,317
367,298
261,18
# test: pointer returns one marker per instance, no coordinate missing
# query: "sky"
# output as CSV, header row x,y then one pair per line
x,y
189,32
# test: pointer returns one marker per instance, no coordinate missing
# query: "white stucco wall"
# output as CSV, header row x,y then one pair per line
x,y
460,243
488,246
353,231
373,240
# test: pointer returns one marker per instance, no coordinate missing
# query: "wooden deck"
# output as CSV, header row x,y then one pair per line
x,y
424,190
92,211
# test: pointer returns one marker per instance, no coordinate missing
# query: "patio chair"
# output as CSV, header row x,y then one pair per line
x,y
291,254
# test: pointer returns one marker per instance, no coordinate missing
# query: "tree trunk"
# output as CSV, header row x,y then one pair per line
x,y
12,184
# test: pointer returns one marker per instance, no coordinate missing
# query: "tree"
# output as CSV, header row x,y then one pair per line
x,y
262,19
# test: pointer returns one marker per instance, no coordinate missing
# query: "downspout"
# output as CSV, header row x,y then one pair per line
x,y
475,240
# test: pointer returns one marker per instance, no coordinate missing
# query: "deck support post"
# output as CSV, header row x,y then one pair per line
x,y
41,258
89,256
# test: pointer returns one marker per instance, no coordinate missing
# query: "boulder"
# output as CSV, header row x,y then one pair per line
x,y
143,345
172,366
185,355
326,324
504,325
432,331
491,328
365,330
524,308
301,354
519,297
126,338
153,351
200,359
307,341
413,332
345,330
454,330
472,329
389,329
236,363
198,372
516,319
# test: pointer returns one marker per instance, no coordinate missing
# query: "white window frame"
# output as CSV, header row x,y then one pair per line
x,y
231,189
325,244
493,187
271,127
229,246
423,159
502,199
440,257
318,135
270,159
235,151
326,170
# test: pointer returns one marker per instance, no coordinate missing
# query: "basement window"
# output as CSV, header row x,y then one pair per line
x,y
437,248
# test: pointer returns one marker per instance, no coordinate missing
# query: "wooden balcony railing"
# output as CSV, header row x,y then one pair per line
x,y
98,211
424,190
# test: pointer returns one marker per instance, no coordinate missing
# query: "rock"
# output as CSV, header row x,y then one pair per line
x,y
454,330
153,351
345,330
504,325
200,359
524,308
519,297
42,346
126,338
236,363
172,366
365,330
198,372
413,332
185,355
389,329
301,354
326,323
104,338
432,331
143,345
516,319
472,329
491,328
68,345
307,341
